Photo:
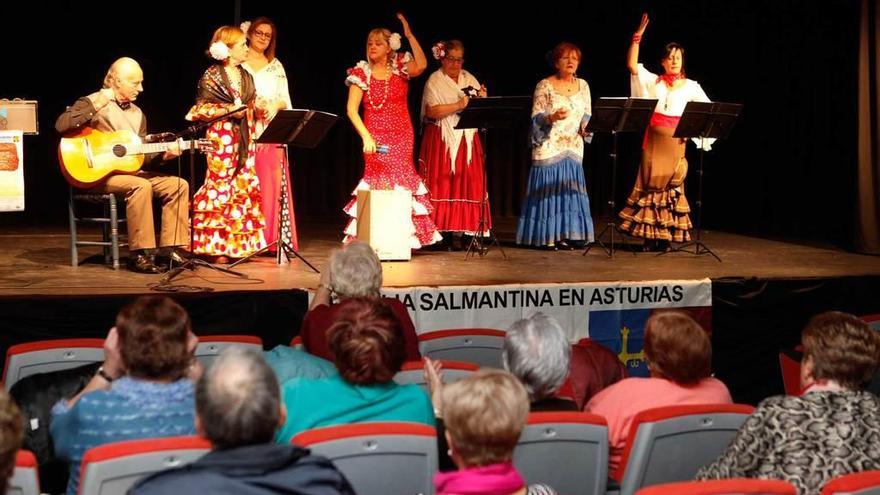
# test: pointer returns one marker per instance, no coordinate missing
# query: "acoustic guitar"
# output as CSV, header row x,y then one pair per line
x,y
89,156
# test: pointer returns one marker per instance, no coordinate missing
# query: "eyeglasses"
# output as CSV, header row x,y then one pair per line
x,y
455,60
263,34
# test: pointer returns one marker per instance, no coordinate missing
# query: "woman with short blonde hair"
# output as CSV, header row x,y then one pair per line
x,y
484,415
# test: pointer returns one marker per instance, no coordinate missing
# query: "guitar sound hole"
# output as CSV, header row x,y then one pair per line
x,y
119,150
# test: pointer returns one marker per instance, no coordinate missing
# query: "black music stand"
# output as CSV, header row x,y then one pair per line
x,y
704,120
616,115
303,129
487,113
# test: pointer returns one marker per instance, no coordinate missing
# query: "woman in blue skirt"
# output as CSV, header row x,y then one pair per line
x,y
556,212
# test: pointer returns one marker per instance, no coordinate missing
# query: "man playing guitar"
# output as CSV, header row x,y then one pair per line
x,y
112,109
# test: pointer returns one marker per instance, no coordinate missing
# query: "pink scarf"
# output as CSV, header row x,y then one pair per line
x,y
496,479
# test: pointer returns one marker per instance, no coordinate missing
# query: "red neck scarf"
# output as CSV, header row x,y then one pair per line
x,y
670,79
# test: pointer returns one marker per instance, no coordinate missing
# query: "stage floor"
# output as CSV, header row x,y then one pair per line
x,y
36,261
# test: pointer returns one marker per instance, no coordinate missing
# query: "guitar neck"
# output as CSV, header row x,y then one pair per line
x,y
146,148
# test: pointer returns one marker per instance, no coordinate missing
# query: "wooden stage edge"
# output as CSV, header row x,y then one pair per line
x,y
36,262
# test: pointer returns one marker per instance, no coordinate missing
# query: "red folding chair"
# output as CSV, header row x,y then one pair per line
x,y
579,438
115,467
864,483
672,443
413,372
481,346
733,486
790,367
379,458
25,479
45,356
210,346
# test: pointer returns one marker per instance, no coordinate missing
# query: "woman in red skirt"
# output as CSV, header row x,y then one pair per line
x,y
452,159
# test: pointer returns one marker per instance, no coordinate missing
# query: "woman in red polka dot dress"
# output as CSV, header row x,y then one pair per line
x,y
227,220
381,83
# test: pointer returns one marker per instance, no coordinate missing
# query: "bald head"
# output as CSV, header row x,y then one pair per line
x,y
125,78
238,400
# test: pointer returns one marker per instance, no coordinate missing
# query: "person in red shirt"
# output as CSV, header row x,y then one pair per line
x,y
353,271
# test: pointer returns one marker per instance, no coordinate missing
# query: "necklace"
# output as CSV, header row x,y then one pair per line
x,y
384,93
568,88
234,79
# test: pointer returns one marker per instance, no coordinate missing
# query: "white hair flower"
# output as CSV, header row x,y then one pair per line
x,y
394,41
439,50
245,26
219,50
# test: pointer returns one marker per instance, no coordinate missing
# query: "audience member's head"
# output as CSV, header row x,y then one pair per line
x,y
11,436
366,341
155,340
238,400
355,271
677,348
839,347
537,352
484,415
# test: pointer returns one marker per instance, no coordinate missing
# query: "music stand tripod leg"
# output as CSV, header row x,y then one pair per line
x,y
484,206
612,204
193,262
280,244
290,251
700,248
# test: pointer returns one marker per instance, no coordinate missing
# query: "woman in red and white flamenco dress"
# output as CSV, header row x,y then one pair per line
x,y
381,83
452,159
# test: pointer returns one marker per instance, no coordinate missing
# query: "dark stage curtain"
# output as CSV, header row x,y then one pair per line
x,y
789,169
867,233
752,320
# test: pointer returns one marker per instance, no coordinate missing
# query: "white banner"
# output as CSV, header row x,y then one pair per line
x,y
11,171
448,307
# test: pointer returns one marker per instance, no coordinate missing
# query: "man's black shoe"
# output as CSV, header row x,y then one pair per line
x,y
143,263
176,256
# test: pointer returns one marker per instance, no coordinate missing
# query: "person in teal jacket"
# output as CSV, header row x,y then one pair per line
x,y
367,344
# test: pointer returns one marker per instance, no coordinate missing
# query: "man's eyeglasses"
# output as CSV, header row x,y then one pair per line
x,y
455,60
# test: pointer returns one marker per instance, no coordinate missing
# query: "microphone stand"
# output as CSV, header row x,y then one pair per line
x,y
193,262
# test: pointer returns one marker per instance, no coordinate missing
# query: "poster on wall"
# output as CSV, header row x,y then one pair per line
x,y
11,171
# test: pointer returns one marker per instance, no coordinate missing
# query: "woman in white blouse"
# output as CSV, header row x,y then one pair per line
x,y
272,95
657,209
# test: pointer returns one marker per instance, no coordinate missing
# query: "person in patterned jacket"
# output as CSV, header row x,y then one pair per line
x,y
831,429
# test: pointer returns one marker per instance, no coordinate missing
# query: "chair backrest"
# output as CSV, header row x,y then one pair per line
x,y
672,443
210,346
113,468
567,451
732,486
791,373
872,320
481,346
45,356
379,458
25,479
413,372
864,483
